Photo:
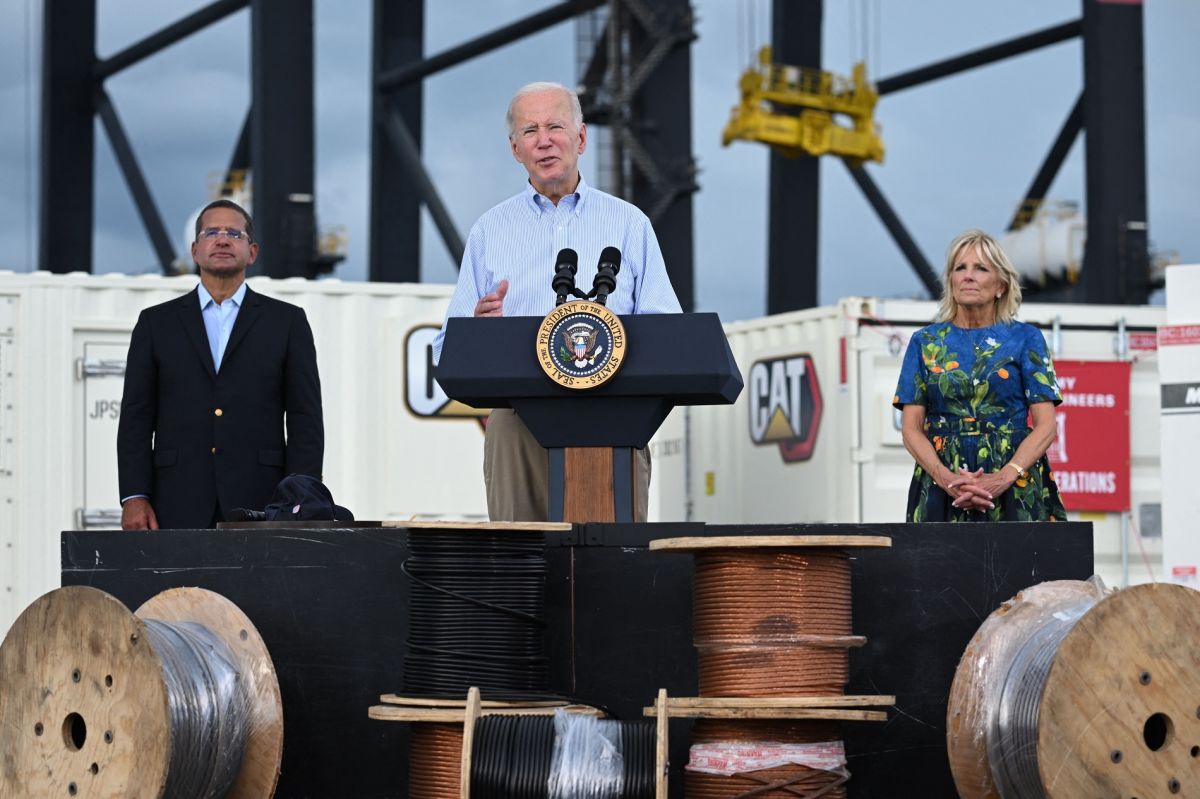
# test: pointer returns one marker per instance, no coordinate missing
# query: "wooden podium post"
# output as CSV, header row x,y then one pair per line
x,y
670,360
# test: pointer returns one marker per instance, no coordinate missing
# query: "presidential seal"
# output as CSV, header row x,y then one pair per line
x,y
581,344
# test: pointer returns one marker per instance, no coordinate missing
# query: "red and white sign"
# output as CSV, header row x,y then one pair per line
x,y
1090,458
1143,341
1171,335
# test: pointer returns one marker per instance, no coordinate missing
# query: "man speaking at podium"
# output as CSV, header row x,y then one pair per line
x,y
508,265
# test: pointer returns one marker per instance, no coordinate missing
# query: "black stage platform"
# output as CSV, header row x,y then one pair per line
x,y
329,604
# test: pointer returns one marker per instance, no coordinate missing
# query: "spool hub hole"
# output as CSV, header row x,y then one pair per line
x,y
74,732
1157,731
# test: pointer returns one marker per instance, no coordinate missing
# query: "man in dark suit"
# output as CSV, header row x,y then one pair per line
x,y
211,381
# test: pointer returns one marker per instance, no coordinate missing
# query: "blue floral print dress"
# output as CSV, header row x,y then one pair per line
x,y
977,385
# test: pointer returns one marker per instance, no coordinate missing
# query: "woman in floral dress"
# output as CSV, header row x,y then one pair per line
x,y
968,388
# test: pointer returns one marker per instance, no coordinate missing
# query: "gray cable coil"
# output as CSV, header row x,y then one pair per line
x,y
209,709
1012,737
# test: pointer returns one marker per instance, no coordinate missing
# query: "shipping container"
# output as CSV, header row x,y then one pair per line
x,y
814,436
395,447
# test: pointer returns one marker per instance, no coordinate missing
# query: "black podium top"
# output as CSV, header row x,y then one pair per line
x,y
670,359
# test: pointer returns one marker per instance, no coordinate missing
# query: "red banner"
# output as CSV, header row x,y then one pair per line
x,y
1090,458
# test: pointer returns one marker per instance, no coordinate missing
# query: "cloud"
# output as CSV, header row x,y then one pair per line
x,y
961,151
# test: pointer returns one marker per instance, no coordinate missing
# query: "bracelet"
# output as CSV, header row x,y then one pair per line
x,y
1020,471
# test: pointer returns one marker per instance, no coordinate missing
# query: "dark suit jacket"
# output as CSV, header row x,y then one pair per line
x,y
190,438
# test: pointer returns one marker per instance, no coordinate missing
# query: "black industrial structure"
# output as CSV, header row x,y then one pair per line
x,y
277,138
1116,261
636,83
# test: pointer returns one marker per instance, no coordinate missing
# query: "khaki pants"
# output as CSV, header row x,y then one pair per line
x,y
516,472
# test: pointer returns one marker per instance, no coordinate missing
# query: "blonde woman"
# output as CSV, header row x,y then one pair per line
x,y
970,384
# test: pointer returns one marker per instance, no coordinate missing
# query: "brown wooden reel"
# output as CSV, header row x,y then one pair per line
x,y
1118,712
84,705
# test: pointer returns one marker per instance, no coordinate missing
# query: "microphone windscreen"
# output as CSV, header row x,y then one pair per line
x,y
567,256
611,255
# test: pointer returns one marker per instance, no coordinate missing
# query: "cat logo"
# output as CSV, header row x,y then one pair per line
x,y
422,393
785,405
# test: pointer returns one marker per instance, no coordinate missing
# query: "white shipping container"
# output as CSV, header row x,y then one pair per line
x,y
394,446
814,436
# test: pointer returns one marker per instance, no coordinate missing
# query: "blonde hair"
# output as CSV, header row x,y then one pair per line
x,y
1008,302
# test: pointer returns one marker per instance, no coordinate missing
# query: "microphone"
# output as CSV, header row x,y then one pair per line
x,y
606,274
565,267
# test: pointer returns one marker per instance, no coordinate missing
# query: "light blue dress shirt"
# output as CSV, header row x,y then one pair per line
x,y
219,320
518,240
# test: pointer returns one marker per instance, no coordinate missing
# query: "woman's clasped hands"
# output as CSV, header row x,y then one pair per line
x,y
976,490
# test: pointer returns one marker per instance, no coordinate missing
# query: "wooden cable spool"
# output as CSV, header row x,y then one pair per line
x,y
1065,693
772,629
443,733
85,707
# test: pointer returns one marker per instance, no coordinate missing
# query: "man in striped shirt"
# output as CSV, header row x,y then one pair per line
x,y
508,265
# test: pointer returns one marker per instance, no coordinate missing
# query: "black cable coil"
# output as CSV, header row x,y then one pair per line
x,y
476,614
513,757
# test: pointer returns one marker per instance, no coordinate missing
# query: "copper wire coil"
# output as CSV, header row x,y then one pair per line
x,y
772,623
771,593
773,671
782,731
435,761
801,782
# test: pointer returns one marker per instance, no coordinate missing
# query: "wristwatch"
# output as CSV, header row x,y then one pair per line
x,y
1020,471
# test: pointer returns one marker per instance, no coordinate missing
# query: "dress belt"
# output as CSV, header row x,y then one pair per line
x,y
970,426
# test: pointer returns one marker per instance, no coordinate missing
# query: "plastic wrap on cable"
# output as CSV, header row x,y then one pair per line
x,y
209,707
588,762
991,712
727,758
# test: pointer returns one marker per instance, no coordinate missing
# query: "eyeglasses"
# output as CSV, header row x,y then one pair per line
x,y
233,233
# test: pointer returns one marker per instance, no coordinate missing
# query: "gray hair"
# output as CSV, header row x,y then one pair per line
x,y
1009,301
538,87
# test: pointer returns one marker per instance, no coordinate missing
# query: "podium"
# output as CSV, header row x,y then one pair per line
x,y
670,360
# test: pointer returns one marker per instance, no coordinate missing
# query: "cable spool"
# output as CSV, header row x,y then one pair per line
x,y
435,760
1065,692
772,623
546,757
476,613
772,629
179,699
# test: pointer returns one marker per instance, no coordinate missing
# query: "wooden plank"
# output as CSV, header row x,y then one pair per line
x,y
470,717
660,751
588,484
688,543
829,714
780,701
461,526
457,714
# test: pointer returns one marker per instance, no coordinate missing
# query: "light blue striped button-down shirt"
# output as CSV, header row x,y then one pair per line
x,y
518,240
219,320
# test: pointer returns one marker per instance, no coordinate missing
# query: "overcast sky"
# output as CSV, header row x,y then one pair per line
x,y
960,152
